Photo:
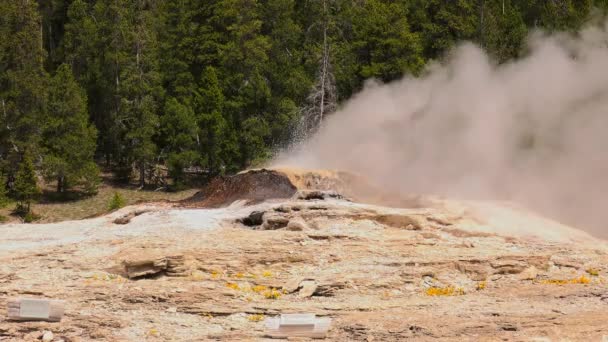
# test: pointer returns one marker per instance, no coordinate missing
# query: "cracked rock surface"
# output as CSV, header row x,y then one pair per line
x,y
449,271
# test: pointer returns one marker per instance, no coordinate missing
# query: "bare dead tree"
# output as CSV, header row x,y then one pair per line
x,y
481,21
322,99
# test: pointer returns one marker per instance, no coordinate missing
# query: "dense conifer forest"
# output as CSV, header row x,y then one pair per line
x,y
175,89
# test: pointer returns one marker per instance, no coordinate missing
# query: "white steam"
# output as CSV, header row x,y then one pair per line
x,y
534,131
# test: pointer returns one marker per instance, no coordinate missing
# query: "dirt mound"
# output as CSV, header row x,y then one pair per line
x,y
252,186
255,186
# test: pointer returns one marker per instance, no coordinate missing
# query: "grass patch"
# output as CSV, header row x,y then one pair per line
x,y
74,206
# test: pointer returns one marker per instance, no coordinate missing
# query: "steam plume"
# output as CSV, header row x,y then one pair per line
x,y
534,131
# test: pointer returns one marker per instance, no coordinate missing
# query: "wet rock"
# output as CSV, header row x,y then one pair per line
x,y
309,195
256,218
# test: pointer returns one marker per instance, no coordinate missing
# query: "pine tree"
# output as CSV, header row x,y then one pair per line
x,y
180,132
178,43
23,81
383,43
506,31
288,80
69,139
26,188
441,24
245,85
139,88
209,103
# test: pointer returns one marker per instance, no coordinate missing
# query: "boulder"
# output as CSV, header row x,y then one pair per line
x,y
256,218
145,267
308,288
297,225
275,222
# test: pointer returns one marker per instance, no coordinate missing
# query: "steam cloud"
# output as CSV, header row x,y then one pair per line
x,y
534,131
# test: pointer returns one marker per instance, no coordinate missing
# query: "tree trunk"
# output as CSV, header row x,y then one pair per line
x,y
60,186
142,174
210,154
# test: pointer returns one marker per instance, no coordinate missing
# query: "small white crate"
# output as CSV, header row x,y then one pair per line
x,y
297,325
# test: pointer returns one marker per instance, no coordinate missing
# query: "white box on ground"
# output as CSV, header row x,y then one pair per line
x,y
35,309
31,309
303,321
297,325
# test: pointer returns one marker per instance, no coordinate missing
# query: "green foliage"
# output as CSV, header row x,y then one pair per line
x,y
69,139
3,192
26,188
218,85
180,131
90,179
383,42
30,217
505,32
23,81
117,202
209,104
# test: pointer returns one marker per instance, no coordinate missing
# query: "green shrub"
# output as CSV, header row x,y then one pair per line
x,y
91,180
117,202
3,218
30,217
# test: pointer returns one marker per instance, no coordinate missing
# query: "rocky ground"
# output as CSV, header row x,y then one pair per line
x,y
452,271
